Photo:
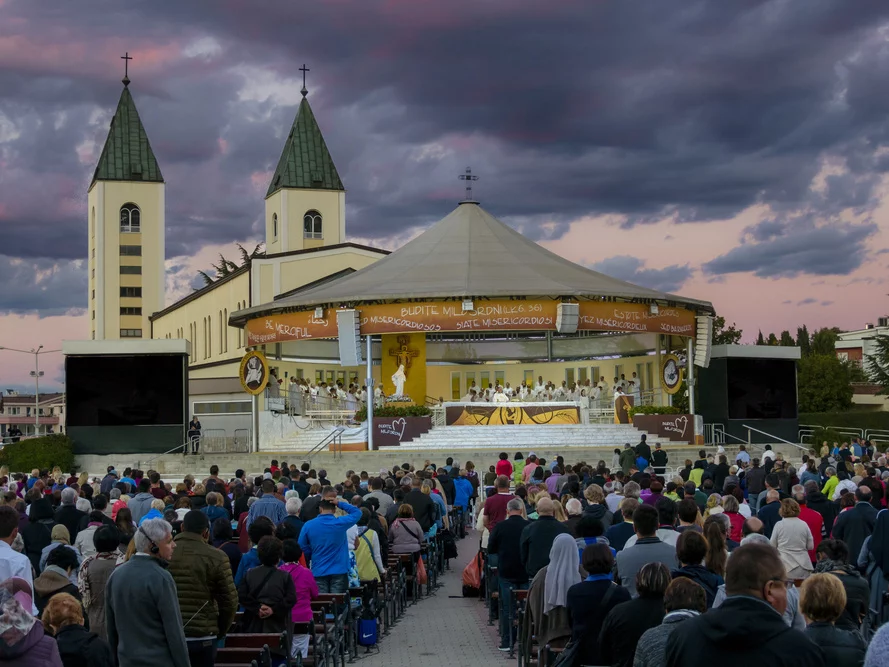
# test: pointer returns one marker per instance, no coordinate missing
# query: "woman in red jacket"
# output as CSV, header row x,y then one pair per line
x,y
732,511
503,467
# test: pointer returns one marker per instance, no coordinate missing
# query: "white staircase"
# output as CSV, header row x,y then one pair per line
x,y
511,437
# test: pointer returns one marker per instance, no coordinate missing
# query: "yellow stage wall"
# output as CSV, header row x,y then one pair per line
x,y
397,348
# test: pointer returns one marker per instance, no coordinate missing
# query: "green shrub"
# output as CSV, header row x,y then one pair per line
x,y
654,410
409,411
44,452
827,434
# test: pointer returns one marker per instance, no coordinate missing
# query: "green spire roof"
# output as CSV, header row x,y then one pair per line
x,y
127,155
305,162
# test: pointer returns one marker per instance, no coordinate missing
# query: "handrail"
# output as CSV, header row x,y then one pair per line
x,y
169,451
335,436
787,442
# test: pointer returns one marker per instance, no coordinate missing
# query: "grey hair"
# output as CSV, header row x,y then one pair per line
x,y
151,530
515,505
830,470
115,494
755,538
69,496
291,494
250,501
632,490
723,518
18,544
573,507
293,505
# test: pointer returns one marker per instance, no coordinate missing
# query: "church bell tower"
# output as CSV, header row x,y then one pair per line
x,y
126,230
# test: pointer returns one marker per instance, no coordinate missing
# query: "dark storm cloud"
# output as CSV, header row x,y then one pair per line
x,y
632,269
42,286
565,110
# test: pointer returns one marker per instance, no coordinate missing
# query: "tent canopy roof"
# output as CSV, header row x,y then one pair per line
x,y
469,253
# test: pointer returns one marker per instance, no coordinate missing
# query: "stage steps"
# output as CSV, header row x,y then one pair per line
x,y
512,437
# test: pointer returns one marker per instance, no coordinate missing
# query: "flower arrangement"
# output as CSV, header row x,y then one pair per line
x,y
387,411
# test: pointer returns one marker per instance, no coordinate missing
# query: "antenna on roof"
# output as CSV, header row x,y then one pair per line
x,y
469,178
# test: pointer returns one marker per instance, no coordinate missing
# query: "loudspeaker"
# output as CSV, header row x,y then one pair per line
x,y
703,340
348,325
567,317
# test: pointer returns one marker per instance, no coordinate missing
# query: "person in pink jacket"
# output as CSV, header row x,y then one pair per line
x,y
306,591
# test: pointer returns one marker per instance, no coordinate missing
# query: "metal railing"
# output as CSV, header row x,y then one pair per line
x,y
333,440
242,441
212,441
714,434
807,431
184,446
777,439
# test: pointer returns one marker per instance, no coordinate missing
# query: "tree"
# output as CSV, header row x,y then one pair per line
x,y
786,340
824,384
772,340
759,339
877,365
723,335
226,267
824,341
803,341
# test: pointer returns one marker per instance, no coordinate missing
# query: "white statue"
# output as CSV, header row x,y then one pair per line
x,y
398,379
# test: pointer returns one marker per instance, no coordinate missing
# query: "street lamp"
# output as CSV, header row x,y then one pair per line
x,y
36,374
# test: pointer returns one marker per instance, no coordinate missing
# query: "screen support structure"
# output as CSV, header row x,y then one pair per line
x,y
254,422
370,394
690,374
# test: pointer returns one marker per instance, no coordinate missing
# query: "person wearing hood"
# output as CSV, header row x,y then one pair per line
x,y
683,600
548,595
55,578
595,505
140,504
59,538
77,646
625,624
748,628
691,549
38,533
23,640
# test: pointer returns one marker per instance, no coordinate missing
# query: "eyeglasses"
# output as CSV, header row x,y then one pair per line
x,y
788,583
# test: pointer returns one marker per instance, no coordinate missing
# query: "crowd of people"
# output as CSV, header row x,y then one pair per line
x,y
736,558
129,570
625,565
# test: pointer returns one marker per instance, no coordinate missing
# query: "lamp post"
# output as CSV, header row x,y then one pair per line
x,y
36,374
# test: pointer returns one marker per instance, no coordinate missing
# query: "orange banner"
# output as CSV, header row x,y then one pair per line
x,y
635,317
495,315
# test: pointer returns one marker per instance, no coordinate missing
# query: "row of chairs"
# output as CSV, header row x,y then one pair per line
x,y
334,630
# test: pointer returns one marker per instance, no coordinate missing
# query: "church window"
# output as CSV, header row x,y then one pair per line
x,y
130,218
225,329
274,225
312,225
93,223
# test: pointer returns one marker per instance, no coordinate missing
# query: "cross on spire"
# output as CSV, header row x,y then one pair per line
x,y
469,178
304,69
126,66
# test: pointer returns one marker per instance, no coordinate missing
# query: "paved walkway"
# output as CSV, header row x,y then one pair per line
x,y
445,630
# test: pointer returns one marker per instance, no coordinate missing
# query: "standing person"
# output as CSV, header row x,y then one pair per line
x,y
495,507
23,640
627,458
324,544
206,592
691,550
874,562
423,505
267,593
13,565
643,449
744,630
503,467
624,625
78,646
68,515
504,543
590,601
306,590
647,549
267,506
538,537
141,604
194,434
548,594
822,601
659,459
140,504
93,577
683,600
854,526
755,478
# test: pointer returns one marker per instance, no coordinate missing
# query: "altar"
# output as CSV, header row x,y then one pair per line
x,y
513,412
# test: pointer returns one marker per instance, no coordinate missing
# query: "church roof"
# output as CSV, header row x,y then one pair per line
x,y
127,154
470,253
305,161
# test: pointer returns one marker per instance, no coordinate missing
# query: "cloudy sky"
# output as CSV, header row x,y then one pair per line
x,y
735,151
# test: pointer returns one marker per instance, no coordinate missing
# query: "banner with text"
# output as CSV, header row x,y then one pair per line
x,y
494,315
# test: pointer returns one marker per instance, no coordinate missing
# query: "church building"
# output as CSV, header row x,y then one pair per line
x,y
305,243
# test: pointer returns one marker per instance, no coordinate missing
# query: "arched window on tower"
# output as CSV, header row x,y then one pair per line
x,y
274,225
312,225
130,218
225,330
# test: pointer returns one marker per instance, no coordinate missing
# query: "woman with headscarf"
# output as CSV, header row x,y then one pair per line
x,y
548,595
23,641
60,537
874,560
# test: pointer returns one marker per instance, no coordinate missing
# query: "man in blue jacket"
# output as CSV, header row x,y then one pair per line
x,y
324,542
